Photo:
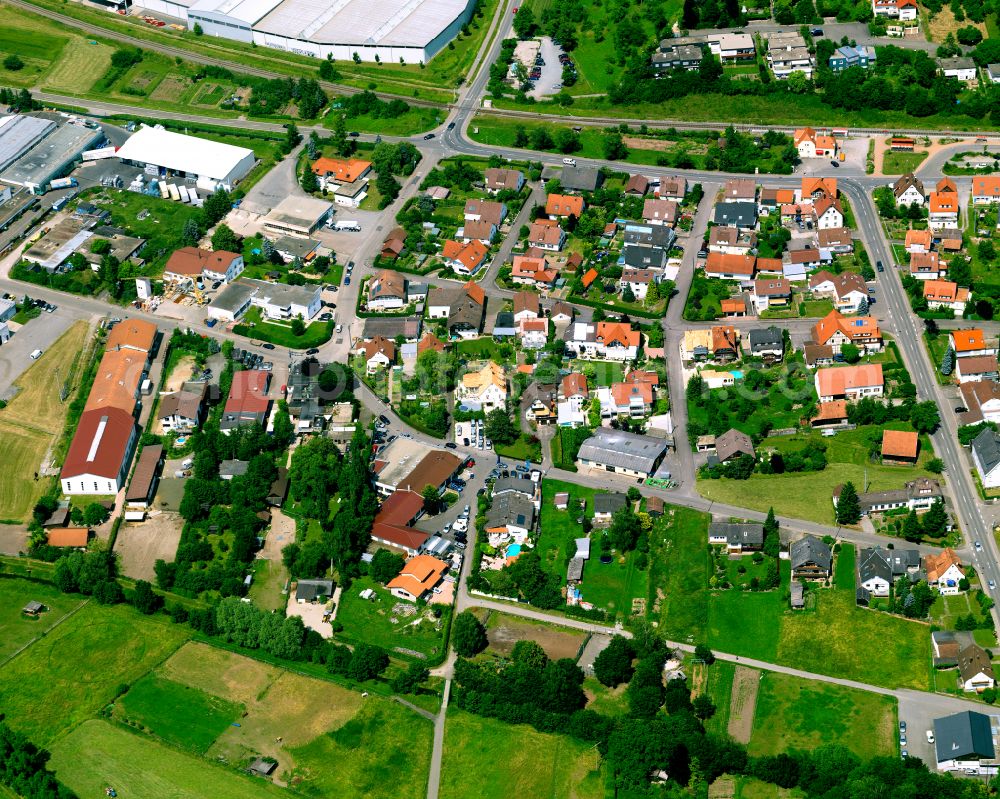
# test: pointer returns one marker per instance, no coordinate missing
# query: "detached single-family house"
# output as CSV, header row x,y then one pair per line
x,y
909,190
847,56
945,294
918,241
730,267
511,517
895,9
986,457
731,241
835,330
982,398
836,240
183,411
615,341
849,382
498,180
732,444
563,205
418,578
975,669
811,144
771,293
545,234
379,353
944,571
811,559
463,306
986,188
485,389
606,505
673,188
464,257
739,190
977,369
725,343
958,67
657,211
637,185
736,213
530,271
847,289
829,213
767,343
737,538
386,291
926,266
942,209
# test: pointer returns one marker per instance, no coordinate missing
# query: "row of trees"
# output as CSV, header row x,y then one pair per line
x,y
24,768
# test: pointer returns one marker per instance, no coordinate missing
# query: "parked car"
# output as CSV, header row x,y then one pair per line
x,y
930,736
312,351
451,445
267,345
428,136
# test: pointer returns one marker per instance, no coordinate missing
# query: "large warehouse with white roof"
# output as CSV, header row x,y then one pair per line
x,y
211,163
412,30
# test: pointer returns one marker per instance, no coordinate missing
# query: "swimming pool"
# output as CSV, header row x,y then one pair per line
x,y
737,374
513,550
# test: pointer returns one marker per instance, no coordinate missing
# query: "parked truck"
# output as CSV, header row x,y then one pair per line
x,y
63,183
347,224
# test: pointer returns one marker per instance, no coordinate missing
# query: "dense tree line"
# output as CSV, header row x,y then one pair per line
x,y
367,103
270,97
24,768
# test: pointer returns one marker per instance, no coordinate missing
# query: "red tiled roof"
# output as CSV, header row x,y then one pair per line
x,y
100,443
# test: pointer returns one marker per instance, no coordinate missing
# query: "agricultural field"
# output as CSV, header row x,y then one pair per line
x,y
97,754
84,665
808,495
489,759
16,629
32,422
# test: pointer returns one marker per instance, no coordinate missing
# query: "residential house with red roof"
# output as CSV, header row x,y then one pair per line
x,y
849,383
945,295
834,330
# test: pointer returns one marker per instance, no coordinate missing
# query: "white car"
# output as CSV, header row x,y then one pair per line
x,y
460,526
930,736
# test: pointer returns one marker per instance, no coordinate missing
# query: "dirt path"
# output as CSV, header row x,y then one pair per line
x,y
281,534
743,703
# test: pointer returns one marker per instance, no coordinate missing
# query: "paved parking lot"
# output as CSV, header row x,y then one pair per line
x,y
919,709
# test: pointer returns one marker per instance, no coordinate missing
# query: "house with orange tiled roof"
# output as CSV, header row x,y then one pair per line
x,y
562,205
464,257
834,330
849,383
946,295
814,188
900,446
735,307
614,341
533,272
340,171
430,342
730,267
379,353
811,144
725,343
942,206
830,414
985,189
969,343
944,571
918,241
829,213
418,578
588,279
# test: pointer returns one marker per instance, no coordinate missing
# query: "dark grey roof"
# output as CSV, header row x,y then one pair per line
x,y
987,448
517,485
766,338
973,661
622,450
742,534
810,550
233,468
650,235
963,736
643,257
609,503
308,590
872,564
574,572
741,213
390,327
898,497
511,509
580,178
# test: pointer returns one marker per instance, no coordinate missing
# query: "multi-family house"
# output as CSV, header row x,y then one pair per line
x,y
909,190
847,289
834,330
849,383
613,341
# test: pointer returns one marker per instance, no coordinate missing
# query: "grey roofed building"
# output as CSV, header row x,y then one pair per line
x,y
582,548
390,327
766,339
574,571
797,597
744,536
733,443
580,178
311,590
616,450
986,450
511,510
263,768
741,213
234,297
956,63
524,486
504,325
896,562
810,557
873,565
233,468
609,504
662,236
19,133
643,257
973,661
963,736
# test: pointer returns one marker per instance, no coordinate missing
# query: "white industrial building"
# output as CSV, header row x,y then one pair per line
x,y
275,300
34,152
211,164
412,30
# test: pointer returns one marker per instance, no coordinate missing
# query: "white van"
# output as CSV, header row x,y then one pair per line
x,y
569,161
36,355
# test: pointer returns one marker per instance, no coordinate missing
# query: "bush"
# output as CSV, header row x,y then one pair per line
x,y
13,63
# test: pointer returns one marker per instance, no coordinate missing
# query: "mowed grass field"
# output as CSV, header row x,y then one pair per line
x,y
34,419
489,759
69,675
793,713
54,57
16,629
97,754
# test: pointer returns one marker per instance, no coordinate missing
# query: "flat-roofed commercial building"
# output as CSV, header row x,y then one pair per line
x,y
622,453
51,157
210,163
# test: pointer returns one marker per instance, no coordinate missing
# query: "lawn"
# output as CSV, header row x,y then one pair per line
x,y
613,586
604,700
233,677
417,120
36,45
84,664
719,686
901,163
489,759
181,715
34,419
815,308
269,578
680,570
97,754
16,629
797,714
374,622
524,449
476,348
383,752
253,327
808,495
604,372
560,527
